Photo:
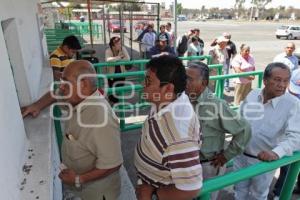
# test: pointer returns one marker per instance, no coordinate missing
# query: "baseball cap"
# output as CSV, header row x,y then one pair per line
x,y
295,82
222,39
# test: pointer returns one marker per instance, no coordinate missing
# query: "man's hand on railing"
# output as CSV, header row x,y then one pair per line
x,y
267,156
32,110
219,160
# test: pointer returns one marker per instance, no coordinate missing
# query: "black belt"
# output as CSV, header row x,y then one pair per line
x,y
249,155
206,160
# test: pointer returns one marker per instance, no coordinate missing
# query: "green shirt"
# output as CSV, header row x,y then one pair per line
x,y
217,120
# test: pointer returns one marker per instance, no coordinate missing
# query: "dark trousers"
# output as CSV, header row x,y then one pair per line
x,y
279,184
112,83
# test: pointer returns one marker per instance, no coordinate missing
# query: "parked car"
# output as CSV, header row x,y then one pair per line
x,y
138,24
114,26
288,31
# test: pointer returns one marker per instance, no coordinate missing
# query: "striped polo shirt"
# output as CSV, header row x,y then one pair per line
x,y
58,59
168,150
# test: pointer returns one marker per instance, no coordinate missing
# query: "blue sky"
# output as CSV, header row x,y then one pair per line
x,y
225,3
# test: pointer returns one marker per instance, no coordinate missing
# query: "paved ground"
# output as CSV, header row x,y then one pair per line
x,y
264,46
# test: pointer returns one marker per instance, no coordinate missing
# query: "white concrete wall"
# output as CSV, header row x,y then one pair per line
x,y
13,137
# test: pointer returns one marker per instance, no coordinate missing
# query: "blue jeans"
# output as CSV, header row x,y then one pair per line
x,y
226,71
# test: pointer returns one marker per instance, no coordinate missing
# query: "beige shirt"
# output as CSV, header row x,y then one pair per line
x,y
110,57
93,136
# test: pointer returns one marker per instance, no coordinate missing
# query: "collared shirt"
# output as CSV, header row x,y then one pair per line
x,y
93,136
217,119
275,124
58,59
246,65
290,61
168,151
148,41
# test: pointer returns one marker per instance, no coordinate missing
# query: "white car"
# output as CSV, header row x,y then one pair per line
x,y
288,31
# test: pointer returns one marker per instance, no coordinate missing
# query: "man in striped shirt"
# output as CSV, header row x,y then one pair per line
x,y
63,55
167,155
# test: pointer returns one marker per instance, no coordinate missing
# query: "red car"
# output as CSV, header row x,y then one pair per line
x,y
114,26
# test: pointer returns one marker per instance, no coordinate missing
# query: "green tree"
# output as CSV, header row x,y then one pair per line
x,y
179,8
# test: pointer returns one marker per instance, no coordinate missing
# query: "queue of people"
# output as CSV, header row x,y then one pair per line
x,y
182,141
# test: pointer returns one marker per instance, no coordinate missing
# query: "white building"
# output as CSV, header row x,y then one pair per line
x,y
27,156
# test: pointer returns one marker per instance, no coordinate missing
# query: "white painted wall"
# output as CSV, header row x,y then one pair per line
x,y
13,137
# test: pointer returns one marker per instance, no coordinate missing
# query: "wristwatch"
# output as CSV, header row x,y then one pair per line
x,y
77,181
154,195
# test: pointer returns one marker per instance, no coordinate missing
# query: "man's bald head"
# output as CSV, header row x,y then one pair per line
x,y
84,68
290,48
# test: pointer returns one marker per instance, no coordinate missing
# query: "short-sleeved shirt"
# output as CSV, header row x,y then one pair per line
x,y
168,150
58,59
245,65
93,136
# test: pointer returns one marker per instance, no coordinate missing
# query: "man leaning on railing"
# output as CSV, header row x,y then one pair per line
x,y
217,119
274,118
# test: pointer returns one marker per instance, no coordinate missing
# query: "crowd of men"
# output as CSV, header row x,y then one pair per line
x,y
183,139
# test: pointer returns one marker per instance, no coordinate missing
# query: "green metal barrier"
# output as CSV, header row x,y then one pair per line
x,y
121,91
231,178
221,79
142,63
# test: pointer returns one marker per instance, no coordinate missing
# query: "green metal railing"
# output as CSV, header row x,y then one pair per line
x,y
141,63
221,78
231,178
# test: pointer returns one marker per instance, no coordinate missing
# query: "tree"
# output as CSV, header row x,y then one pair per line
x,y
179,8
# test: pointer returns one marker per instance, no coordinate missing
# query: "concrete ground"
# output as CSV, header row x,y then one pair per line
x,y
260,36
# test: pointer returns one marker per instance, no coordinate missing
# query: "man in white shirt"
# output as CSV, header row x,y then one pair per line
x,y
148,41
287,57
274,118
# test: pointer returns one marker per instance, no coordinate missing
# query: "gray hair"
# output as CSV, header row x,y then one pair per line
x,y
270,67
202,69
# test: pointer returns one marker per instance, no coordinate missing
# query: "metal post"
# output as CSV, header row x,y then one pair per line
x,y
108,20
130,25
260,80
175,24
90,22
290,181
158,16
104,28
121,24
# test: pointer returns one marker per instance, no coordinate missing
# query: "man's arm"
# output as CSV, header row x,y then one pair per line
x,y
291,140
35,108
68,175
238,127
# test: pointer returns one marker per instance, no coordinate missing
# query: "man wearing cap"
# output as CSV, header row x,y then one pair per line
x,y
161,48
219,56
294,89
273,115
287,57
63,55
231,51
